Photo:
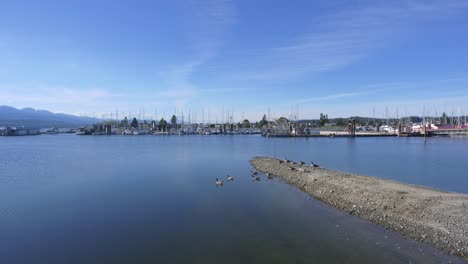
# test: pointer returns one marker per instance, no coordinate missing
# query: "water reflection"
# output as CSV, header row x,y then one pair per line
x,y
69,199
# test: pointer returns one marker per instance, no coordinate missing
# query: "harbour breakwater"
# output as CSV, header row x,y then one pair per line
x,y
424,214
332,134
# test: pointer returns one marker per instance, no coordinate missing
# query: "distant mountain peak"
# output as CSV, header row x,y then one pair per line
x,y
7,107
28,109
32,118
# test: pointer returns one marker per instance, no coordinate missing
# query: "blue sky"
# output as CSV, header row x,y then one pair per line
x,y
337,57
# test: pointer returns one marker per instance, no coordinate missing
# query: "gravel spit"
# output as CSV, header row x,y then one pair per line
x,y
424,214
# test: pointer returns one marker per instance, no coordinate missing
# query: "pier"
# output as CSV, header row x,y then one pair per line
x,y
333,134
453,131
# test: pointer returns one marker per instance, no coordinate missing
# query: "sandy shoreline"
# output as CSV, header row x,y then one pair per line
x,y
432,216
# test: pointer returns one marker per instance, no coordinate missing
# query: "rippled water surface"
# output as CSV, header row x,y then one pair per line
x,y
153,199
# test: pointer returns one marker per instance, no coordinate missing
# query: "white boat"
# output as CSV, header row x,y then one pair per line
x,y
388,129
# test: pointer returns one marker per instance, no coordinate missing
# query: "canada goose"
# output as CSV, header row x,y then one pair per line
x,y
292,168
253,173
230,178
280,161
314,165
219,182
255,178
269,175
301,162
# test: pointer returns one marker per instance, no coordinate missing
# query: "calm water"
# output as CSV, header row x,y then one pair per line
x,y
150,199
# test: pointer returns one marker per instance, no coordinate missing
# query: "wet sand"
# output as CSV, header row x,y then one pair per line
x,y
424,214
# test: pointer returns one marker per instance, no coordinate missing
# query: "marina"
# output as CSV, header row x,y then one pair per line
x,y
220,131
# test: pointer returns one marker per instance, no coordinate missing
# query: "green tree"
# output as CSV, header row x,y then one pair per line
x,y
283,122
174,121
162,125
263,122
339,122
323,119
245,123
124,122
444,118
134,123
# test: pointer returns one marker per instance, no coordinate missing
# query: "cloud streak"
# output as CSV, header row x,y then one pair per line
x,y
375,89
211,20
342,38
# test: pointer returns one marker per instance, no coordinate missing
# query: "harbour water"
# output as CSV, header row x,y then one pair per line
x,y
153,199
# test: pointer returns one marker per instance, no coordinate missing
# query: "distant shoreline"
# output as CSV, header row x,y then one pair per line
x,y
424,214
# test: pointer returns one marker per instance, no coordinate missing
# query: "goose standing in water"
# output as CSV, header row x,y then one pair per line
x,y
230,178
219,182
253,173
269,175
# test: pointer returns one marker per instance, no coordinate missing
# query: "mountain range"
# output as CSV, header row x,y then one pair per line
x,y
34,119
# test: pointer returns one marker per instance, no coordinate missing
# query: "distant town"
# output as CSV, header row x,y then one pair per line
x,y
280,127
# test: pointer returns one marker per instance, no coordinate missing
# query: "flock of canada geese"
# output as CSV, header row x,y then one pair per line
x,y
255,177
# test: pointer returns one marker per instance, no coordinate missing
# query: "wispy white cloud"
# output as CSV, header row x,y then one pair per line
x,y
230,90
331,96
337,40
211,21
31,93
376,89
405,95
392,87
56,98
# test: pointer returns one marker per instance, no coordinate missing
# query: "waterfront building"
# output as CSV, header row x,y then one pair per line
x,y
13,131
